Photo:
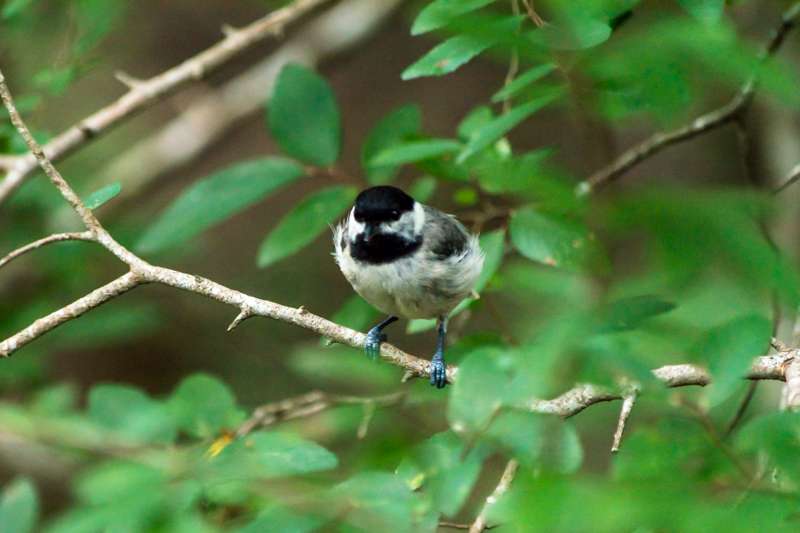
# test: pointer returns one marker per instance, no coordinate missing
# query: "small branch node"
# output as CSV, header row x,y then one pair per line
x,y
127,80
243,315
628,399
229,30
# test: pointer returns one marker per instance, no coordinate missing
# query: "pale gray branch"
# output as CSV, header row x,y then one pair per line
x,y
57,237
211,114
502,487
142,94
628,399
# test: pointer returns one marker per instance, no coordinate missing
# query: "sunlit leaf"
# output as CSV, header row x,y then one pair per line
x,y
313,215
549,239
130,413
202,405
396,127
523,81
501,125
19,507
412,151
441,12
102,195
215,198
708,11
729,349
303,116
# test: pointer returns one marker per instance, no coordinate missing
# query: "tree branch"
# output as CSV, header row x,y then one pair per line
x,y
142,94
211,114
502,487
702,124
57,237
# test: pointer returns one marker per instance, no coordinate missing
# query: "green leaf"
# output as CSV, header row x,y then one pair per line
x,y
102,195
501,125
376,501
305,222
14,8
397,126
549,239
440,13
264,455
423,188
475,120
303,116
217,197
202,406
279,518
356,314
629,313
413,151
118,480
455,51
522,81
438,465
729,349
706,11
19,507
130,413
342,365
479,392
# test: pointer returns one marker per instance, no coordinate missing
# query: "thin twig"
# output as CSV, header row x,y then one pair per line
x,y
702,124
144,93
628,399
791,179
212,113
309,404
743,406
502,487
57,237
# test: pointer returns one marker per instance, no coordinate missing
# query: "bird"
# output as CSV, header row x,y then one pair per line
x,y
407,260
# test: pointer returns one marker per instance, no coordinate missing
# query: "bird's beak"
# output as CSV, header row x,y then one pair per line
x,y
369,231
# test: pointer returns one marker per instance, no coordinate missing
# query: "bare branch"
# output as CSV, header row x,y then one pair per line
x,y
47,323
702,124
309,404
628,399
208,116
794,176
57,237
502,487
145,93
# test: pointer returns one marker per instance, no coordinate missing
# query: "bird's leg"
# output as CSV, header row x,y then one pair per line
x,y
375,337
438,367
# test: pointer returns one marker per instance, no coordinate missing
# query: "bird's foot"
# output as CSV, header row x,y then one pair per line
x,y
372,346
438,372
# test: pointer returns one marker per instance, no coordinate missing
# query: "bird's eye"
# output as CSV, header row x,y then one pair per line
x,y
395,214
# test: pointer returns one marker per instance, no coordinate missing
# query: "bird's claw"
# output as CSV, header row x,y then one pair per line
x,y
438,373
372,346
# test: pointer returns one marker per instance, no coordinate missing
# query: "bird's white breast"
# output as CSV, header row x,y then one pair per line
x,y
416,286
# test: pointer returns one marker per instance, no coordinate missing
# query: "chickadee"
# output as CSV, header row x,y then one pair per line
x,y
407,260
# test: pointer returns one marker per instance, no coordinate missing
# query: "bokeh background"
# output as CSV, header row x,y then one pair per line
x,y
155,336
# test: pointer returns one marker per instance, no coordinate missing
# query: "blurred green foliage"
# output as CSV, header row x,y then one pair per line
x,y
599,289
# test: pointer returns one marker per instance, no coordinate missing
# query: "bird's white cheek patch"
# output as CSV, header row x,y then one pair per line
x,y
354,227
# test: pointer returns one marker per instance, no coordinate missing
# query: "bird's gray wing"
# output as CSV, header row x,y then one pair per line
x,y
444,235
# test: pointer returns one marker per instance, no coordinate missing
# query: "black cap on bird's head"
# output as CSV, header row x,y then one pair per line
x,y
382,204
